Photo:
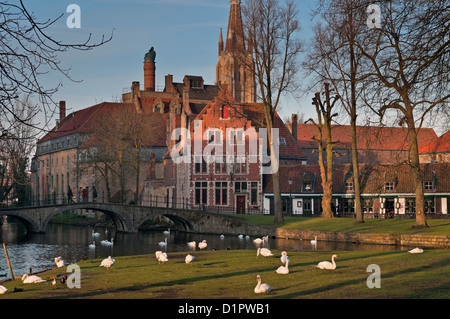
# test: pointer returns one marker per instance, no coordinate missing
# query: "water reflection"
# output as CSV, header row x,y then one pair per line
x,y
38,251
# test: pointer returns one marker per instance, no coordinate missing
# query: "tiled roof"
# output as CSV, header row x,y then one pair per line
x,y
439,145
368,137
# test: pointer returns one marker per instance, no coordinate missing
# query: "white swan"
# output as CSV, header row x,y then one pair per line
x,y
108,262
92,246
327,264
241,236
247,237
258,241
162,258
59,262
192,244
260,288
189,259
33,279
107,243
314,241
283,270
222,236
264,252
163,243
167,232
416,250
95,234
2,289
202,245
284,257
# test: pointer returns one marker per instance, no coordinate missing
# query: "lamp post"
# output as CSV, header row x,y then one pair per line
x,y
290,194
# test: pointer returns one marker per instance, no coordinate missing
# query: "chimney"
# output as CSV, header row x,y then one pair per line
x,y
62,111
186,97
169,84
294,125
149,76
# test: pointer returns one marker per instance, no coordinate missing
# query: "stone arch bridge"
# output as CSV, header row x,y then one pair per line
x,y
128,218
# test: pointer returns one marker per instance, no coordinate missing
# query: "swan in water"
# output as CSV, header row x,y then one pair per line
x,y
284,257
247,237
260,288
416,250
167,232
189,259
59,262
283,270
163,243
222,236
258,241
202,245
32,279
192,244
107,243
241,236
92,246
264,252
95,234
2,289
108,262
327,264
314,241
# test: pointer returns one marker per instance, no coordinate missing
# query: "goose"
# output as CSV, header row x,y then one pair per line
x,y
416,250
327,264
167,232
92,246
33,279
260,288
284,257
108,262
283,270
189,259
202,245
2,289
59,262
264,252
163,243
107,243
192,244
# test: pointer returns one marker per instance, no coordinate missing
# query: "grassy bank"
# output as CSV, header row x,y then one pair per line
x,y
232,274
385,226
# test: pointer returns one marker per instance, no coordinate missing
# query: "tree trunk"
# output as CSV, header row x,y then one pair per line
x,y
358,208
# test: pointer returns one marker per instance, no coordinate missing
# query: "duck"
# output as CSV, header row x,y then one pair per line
x,y
2,289
283,270
92,246
107,262
416,250
202,245
59,262
32,279
260,288
163,243
284,257
192,244
264,252
107,242
63,279
327,264
189,259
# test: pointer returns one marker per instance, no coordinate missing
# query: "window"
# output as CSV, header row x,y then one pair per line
x,y
308,182
281,141
240,165
306,204
429,185
215,136
240,187
429,206
349,186
201,193
368,205
349,205
220,165
410,206
221,193
389,186
200,165
254,193
225,112
237,137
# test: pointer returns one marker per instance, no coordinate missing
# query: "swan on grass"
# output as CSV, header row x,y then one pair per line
x,y
261,288
202,245
161,257
264,252
328,265
284,257
192,244
107,242
416,250
59,262
32,279
108,262
283,270
189,259
2,289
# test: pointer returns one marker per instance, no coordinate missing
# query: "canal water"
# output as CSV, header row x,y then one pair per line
x,y
38,251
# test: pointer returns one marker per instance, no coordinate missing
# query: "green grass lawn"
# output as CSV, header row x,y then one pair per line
x,y
232,274
387,226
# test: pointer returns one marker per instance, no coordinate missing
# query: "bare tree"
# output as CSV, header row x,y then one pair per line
x,y
28,53
271,29
409,57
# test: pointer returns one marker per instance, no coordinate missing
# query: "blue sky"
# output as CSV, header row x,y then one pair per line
x,y
184,34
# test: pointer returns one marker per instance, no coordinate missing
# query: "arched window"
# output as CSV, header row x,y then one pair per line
x,y
225,112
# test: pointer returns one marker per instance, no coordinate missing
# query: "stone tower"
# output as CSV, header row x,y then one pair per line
x,y
234,66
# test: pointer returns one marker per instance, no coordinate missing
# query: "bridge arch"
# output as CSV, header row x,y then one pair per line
x,y
180,222
30,224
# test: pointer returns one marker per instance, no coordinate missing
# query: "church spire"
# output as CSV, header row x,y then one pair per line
x,y
235,32
220,42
